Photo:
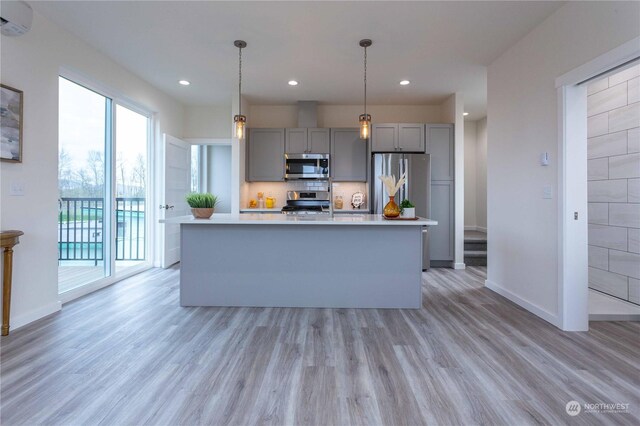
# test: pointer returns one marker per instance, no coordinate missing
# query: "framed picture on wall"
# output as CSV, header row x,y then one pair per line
x,y
10,124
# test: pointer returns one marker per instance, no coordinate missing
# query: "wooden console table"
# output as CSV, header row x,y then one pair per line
x,y
8,239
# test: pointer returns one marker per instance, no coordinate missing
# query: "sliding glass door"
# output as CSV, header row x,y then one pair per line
x,y
102,181
132,134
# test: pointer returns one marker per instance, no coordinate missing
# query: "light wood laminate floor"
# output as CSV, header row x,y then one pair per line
x,y
129,354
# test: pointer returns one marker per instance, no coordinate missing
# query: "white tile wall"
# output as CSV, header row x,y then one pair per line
x,y
624,214
624,118
608,99
624,166
610,283
624,263
598,213
633,87
634,190
607,145
598,169
625,75
599,258
633,236
597,86
598,125
614,186
608,236
634,290
607,191
633,140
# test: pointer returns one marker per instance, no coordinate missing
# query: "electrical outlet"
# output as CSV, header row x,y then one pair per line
x,y
547,192
16,188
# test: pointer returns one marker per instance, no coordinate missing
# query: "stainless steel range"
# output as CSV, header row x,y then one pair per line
x,y
307,202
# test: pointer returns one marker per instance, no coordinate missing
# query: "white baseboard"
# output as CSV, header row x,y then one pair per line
x,y
459,265
31,316
475,228
545,315
481,229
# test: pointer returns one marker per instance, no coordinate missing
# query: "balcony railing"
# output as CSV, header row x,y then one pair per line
x,y
81,233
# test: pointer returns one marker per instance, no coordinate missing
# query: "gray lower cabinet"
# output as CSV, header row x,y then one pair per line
x,y
441,237
394,137
348,156
440,144
265,155
304,140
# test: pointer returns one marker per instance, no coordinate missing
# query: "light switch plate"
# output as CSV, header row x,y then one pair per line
x,y
547,192
16,188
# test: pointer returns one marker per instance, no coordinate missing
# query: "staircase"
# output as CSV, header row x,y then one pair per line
x,y
475,248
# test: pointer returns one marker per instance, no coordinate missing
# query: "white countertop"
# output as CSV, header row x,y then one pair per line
x,y
277,210
282,219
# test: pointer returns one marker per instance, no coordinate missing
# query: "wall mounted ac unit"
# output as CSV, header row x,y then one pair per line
x,y
15,18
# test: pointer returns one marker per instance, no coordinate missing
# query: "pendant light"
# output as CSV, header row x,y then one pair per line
x,y
240,120
365,119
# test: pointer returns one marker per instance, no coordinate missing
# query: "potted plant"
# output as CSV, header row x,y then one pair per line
x,y
407,209
202,204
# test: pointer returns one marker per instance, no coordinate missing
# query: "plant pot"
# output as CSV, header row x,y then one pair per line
x,y
409,212
391,209
201,213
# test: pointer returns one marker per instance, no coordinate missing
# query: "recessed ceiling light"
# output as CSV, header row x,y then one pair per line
x,y
293,83
404,82
465,113
184,82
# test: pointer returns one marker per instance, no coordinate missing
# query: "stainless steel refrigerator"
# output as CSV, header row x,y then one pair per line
x,y
417,187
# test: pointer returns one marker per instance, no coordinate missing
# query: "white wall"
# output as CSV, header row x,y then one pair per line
x,y
475,175
470,175
522,106
32,63
481,174
219,175
207,122
343,115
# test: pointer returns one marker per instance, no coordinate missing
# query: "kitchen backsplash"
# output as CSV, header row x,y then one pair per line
x,y
279,191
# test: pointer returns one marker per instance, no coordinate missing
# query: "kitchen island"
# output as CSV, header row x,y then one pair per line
x,y
276,260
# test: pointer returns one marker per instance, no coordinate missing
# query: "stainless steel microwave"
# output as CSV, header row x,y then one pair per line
x,y
306,166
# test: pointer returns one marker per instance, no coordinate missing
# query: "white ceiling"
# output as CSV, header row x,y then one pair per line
x,y
442,47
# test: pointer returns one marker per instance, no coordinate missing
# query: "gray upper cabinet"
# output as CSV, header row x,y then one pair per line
x,y
441,147
384,137
411,137
296,141
318,141
265,155
348,156
304,140
394,137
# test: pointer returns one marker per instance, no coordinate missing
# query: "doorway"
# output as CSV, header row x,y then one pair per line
x,y
573,272
613,173
103,184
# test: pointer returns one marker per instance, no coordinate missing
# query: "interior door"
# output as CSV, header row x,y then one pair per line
x,y
177,182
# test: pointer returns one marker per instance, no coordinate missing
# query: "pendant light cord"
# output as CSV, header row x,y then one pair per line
x,y
365,80
240,81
